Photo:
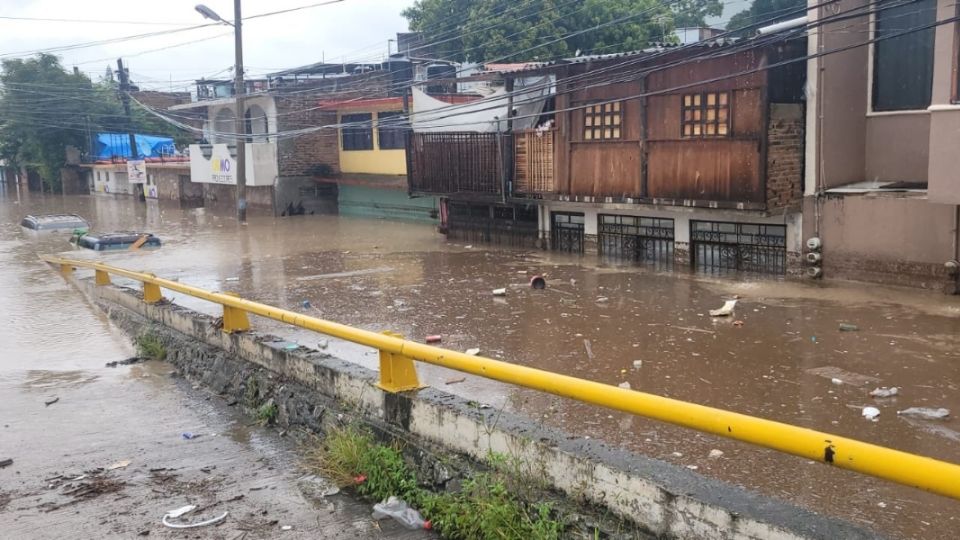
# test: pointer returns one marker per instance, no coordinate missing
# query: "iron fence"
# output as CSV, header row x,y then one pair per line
x,y
566,232
635,238
719,246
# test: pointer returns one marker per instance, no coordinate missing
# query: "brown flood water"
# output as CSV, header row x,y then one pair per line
x,y
404,277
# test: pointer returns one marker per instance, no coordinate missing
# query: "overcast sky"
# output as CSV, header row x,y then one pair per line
x,y
352,29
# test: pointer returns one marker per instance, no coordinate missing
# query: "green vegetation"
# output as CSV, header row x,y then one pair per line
x,y
149,347
515,31
764,12
44,108
485,507
267,413
251,393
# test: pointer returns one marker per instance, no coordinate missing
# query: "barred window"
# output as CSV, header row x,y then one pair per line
x,y
705,114
391,130
357,137
602,122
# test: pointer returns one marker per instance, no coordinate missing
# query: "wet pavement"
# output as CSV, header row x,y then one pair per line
x,y
595,320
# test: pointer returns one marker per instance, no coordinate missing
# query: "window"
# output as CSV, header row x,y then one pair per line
x,y
903,65
602,122
391,130
357,137
706,114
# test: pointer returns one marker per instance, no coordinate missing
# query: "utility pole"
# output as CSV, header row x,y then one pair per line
x,y
125,99
240,125
241,117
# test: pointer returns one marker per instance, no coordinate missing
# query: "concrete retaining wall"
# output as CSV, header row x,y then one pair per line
x,y
665,500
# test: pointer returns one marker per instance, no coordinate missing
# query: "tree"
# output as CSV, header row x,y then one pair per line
x,y
763,12
522,30
44,108
40,110
692,13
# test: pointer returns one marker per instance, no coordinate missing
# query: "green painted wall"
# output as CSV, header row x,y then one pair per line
x,y
387,203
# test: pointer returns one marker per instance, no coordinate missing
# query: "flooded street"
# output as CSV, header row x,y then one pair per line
x,y
787,361
99,452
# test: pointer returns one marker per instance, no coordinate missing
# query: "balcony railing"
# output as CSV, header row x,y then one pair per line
x,y
446,163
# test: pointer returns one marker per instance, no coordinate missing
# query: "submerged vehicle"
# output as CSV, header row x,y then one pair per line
x,y
54,223
115,241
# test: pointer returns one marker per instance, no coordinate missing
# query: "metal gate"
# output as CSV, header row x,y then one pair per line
x,y
566,232
514,226
719,246
639,239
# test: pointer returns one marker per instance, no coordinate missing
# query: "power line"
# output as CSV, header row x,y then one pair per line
x,y
122,39
90,21
641,59
818,22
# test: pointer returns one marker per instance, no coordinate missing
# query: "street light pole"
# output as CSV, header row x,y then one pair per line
x,y
240,124
241,116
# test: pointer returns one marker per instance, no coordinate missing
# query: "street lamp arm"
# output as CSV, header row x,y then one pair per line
x,y
211,14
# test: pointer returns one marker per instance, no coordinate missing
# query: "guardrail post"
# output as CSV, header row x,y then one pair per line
x,y
101,277
235,319
397,372
151,291
66,270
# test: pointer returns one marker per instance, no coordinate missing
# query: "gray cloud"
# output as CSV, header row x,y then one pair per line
x,y
351,30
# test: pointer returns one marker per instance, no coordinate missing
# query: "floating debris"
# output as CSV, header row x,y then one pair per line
x,y
884,392
926,413
725,310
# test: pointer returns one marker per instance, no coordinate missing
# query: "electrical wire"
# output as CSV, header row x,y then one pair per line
x,y
692,84
348,125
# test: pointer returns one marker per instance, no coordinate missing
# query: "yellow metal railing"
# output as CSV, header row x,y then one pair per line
x,y
398,373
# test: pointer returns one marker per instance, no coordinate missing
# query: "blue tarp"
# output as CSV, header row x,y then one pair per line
x,y
111,145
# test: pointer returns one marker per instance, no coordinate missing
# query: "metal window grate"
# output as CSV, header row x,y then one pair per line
x,y
514,226
720,247
566,233
640,239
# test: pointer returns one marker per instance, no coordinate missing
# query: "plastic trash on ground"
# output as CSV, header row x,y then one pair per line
x,y
183,510
500,292
401,512
871,413
473,351
925,413
725,310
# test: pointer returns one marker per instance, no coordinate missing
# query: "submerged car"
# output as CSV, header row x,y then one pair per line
x,y
54,222
116,241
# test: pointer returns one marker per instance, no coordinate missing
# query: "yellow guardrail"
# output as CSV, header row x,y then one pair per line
x,y
398,373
